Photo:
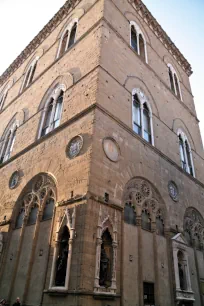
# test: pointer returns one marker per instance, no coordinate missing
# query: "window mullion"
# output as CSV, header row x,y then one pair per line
x,y
142,120
138,44
151,128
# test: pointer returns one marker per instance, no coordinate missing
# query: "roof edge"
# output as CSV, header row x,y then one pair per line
x,y
38,39
161,34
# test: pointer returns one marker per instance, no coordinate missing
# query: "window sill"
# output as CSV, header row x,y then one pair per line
x,y
57,292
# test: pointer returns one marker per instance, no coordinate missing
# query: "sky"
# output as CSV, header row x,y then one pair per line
x,y
183,20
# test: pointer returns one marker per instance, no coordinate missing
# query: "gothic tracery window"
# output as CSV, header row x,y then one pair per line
x,y
185,153
142,116
193,228
174,82
129,214
39,197
52,112
146,221
3,96
137,41
68,38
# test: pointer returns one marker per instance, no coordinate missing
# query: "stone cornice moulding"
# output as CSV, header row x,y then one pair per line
x,y
38,39
143,11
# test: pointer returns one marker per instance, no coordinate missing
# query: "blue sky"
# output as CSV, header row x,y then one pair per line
x,y
183,20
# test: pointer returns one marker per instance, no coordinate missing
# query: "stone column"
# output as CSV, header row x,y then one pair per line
x,y
156,268
140,261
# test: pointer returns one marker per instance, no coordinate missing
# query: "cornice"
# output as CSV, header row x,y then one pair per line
x,y
38,39
143,11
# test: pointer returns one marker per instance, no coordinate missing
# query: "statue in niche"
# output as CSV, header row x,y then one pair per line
x,y
61,264
181,277
104,267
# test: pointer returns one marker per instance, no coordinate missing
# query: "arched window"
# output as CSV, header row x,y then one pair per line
x,y
174,82
29,75
185,154
182,270
134,39
142,116
129,214
61,264
137,41
8,143
52,112
68,38
146,221
106,260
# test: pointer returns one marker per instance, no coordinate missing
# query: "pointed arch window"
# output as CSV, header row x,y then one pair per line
x,y
20,218
33,215
159,226
174,82
68,38
28,79
129,214
142,116
52,112
48,209
8,144
185,154
137,41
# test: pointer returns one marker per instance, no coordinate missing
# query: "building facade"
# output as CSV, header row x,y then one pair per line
x,y
102,164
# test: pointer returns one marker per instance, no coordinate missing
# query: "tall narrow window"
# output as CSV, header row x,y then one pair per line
x,y
29,75
72,35
171,80
185,154
61,264
174,82
58,110
8,146
182,153
134,39
159,226
137,40
188,154
177,87
52,114
146,120
64,43
3,98
45,129
142,117
106,260
136,115
142,47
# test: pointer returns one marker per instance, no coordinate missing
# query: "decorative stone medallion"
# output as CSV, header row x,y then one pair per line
x,y
14,180
173,191
74,146
111,149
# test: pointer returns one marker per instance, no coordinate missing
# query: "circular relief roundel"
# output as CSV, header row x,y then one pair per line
x,y
74,146
14,180
173,191
111,149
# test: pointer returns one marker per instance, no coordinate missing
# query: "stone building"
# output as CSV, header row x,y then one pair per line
x,y
102,170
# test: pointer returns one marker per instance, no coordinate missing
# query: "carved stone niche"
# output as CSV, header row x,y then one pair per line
x,y
106,256
184,291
